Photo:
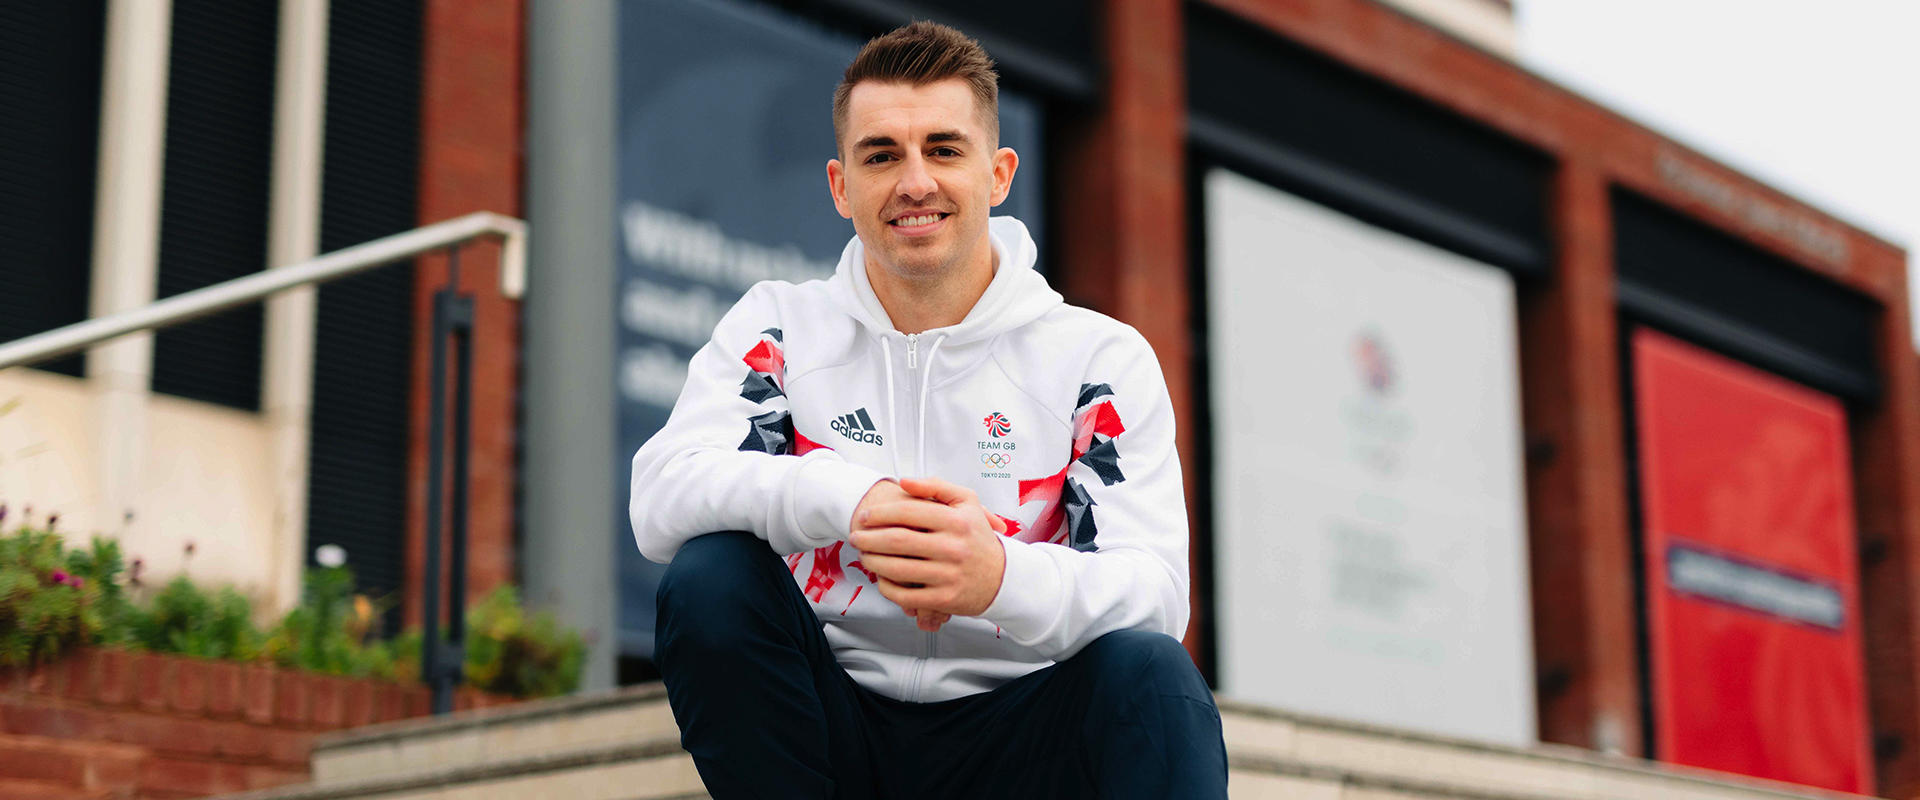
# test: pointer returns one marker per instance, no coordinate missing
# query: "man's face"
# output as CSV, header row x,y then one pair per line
x,y
920,174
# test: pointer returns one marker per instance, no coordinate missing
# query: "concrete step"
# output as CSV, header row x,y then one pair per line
x,y
624,746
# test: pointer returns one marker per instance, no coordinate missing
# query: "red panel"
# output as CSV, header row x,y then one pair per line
x,y
1753,602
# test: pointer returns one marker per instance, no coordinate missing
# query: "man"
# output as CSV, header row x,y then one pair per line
x,y
924,521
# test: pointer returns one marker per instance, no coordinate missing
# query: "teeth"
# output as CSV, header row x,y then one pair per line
x,y
927,219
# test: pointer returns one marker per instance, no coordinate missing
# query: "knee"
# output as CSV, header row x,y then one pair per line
x,y
1135,661
709,573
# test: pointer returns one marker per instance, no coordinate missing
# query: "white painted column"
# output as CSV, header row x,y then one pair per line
x,y
293,234
126,242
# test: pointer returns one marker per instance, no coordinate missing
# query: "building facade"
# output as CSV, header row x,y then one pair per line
x,y
1503,416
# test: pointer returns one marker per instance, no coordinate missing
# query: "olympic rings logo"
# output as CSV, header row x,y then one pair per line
x,y
996,460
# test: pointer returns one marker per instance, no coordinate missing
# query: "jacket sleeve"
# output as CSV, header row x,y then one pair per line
x,y
1119,558
729,458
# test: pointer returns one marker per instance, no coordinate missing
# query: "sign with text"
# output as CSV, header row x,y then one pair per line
x,y
1369,508
1753,609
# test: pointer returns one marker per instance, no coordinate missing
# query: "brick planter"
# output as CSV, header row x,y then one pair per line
x,y
178,727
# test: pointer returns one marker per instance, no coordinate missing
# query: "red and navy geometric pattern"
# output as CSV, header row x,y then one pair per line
x,y
1067,517
770,432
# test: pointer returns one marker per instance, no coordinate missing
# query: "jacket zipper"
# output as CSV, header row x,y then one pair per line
x,y
927,640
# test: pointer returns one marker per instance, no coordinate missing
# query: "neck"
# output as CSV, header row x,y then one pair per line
x,y
921,304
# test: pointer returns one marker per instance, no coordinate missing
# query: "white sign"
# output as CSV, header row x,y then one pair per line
x,y
1369,507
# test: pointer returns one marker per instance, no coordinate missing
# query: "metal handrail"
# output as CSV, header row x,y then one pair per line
x,y
240,291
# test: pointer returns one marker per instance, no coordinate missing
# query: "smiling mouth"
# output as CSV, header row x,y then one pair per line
x,y
918,220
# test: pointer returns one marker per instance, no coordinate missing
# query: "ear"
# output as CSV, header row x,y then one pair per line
x,y
837,186
1005,163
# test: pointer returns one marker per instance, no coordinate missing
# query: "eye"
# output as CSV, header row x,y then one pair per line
x,y
878,158
945,151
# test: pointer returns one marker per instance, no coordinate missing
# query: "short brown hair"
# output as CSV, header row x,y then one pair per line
x,y
918,54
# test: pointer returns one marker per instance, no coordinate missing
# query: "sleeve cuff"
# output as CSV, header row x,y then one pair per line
x,y
1029,593
832,490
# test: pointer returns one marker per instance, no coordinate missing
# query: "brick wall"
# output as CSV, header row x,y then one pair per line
x,y
158,726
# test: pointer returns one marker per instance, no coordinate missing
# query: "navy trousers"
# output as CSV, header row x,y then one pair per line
x,y
767,712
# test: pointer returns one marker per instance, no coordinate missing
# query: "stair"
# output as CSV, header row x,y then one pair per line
x,y
623,745
43,768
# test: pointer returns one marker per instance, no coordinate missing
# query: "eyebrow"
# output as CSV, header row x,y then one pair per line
x,y
932,138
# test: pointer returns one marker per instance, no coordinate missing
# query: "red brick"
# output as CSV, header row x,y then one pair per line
x,y
238,740
30,716
356,706
419,701
81,674
257,684
163,734
189,685
390,702
270,777
293,696
325,695
191,775
87,765
293,748
24,757
223,689
152,673
472,98
114,677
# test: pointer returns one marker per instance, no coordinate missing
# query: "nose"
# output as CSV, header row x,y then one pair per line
x,y
916,183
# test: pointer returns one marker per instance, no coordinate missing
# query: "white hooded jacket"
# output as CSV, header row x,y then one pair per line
x,y
1056,416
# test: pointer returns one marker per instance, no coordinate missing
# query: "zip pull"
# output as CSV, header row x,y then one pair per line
x,y
913,350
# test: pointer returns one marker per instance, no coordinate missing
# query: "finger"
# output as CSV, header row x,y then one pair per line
x,y
900,542
904,570
938,490
998,523
916,513
921,599
930,621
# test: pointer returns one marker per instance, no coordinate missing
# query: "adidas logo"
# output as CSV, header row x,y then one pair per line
x,y
858,427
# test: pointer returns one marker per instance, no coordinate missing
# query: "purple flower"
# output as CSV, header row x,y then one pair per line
x,y
189,547
79,581
60,577
52,520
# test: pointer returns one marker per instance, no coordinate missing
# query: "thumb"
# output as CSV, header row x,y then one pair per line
x,y
998,523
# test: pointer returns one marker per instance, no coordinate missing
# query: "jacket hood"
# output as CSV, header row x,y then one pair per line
x,y
1016,296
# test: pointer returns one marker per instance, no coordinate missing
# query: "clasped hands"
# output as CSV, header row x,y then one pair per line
x,y
932,547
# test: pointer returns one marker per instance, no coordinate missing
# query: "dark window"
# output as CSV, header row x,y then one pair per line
x,y
363,355
1272,108
50,55
1703,284
213,210
1047,46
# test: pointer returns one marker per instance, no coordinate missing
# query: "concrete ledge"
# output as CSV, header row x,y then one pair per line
x,y
490,717
434,780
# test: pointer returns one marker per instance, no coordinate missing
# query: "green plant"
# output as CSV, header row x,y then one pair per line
x,y
52,599
183,618
314,635
100,566
509,652
44,607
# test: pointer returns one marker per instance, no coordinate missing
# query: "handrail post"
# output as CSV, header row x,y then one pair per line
x,y
442,664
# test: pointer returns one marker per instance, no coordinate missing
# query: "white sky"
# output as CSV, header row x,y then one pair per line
x,y
1820,98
